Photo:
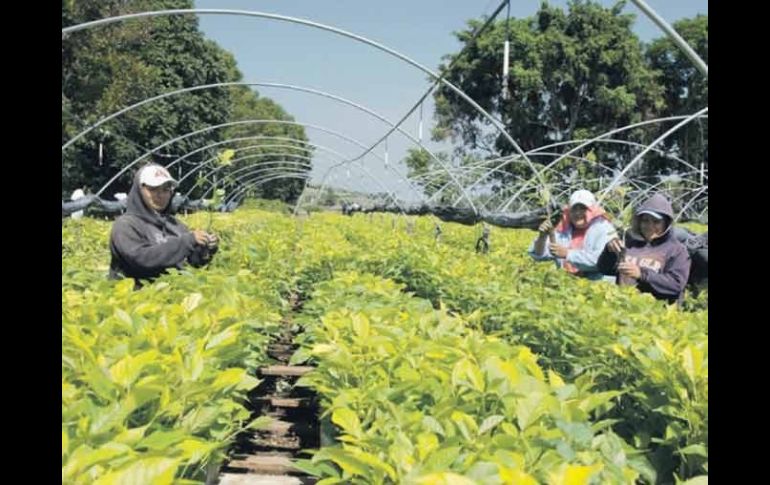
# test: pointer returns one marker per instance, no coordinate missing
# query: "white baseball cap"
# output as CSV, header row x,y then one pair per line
x,y
155,176
582,197
654,214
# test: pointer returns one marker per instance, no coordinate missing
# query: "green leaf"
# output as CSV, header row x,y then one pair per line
x,y
100,382
161,440
465,372
555,380
125,318
509,429
347,420
374,462
426,443
697,449
126,370
349,464
149,471
444,478
84,457
432,424
529,409
228,336
331,481
692,359
490,422
465,424
105,419
361,326
516,476
131,436
225,157
497,369
575,474
262,422
191,302
231,378
195,450
603,424
443,458
299,356
319,470
322,349
199,418
597,399
484,472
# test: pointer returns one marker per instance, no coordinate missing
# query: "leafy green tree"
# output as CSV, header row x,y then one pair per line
x,y
110,67
573,74
686,90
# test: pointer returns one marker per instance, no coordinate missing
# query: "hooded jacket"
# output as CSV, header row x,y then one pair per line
x,y
145,243
664,262
580,260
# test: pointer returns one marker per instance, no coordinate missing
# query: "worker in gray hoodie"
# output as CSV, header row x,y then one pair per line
x,y
650,258
147,240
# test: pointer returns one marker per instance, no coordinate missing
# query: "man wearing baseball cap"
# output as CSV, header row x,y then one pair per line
x,y
147,240
578,239
654,260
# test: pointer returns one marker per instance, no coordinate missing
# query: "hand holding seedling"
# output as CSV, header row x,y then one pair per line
x,y
558,250
616,246
213,241
629,270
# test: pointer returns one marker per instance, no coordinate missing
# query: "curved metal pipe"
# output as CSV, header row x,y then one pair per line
x,y
214,127
678,40
497,124
649,147
265,164
263,84
592,140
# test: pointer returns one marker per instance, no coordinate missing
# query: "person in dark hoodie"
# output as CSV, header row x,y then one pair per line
x,y
147,240
651,258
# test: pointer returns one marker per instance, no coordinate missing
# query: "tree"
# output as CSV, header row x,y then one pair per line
x,y
110,67
686,89
248,105
573,74
425,172
330,197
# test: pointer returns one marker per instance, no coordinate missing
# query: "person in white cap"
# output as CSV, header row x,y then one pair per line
x,y
147,240
578,239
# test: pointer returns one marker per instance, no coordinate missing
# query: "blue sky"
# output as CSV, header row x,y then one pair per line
x,y
279,52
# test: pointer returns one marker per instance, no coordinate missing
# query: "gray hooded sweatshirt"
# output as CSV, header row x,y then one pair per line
x,y
144,243
664,261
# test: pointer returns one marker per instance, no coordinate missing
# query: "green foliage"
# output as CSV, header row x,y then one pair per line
x,y
108,68
434,362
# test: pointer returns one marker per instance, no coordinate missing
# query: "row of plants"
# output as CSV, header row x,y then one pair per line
x,y
656,355
421,397
650,358
154,381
